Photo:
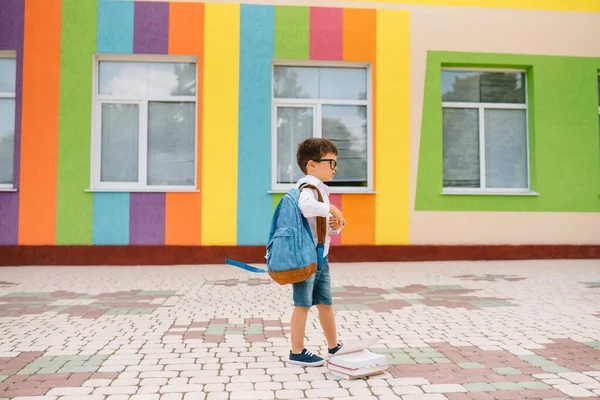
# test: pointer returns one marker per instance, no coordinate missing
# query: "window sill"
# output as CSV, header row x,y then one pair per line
x,y
282,191
486,193
7,190
142,191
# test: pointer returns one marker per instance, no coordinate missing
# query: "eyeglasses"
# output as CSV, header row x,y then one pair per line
x,y
332,163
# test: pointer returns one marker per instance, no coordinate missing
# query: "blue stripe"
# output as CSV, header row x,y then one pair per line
x,y
255,206
115,35
111,218
115,26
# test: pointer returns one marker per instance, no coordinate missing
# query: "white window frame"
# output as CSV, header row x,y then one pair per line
x,y
97,101
317,105
10,187
481,107
599,91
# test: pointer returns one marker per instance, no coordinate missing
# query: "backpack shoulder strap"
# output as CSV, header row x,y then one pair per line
x,y
321,221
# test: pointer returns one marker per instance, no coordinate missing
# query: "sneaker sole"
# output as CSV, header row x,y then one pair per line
x,y
306,364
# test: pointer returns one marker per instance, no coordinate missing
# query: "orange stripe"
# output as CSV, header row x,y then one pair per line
x,y
183,210
39,137
359,211
360,41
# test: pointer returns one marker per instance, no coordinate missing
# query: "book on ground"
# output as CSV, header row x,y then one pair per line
x,y
358,371
354,360
346,376
357,359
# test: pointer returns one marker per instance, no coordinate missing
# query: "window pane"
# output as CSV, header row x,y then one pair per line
x,y
503,87
147,79
294,125
343,83
346,126
460,86
461,148
8,74
296,82
7,140
484,87
123,78
120,139
506,148
171,143
172,79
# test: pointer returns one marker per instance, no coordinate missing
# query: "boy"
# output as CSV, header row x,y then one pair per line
x,y
317,158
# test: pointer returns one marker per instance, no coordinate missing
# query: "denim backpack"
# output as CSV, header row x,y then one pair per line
x,y
291,253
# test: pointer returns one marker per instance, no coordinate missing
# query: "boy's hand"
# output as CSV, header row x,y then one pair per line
x,y
335,224
338,219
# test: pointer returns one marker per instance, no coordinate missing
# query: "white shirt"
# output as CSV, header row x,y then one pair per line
x,y
311,208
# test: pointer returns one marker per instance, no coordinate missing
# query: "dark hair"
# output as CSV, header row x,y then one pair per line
x,y
313,149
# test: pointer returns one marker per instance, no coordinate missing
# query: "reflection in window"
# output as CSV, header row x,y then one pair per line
x,y
485,130
147,124
328,102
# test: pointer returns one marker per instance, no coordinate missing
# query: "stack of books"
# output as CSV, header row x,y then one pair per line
x,y
354,361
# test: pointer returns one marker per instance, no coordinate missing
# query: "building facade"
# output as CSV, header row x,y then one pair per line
x,y
126,123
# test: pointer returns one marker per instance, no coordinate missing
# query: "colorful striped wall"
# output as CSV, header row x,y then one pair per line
x,y
235,45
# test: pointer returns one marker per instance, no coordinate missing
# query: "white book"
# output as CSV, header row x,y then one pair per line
x,y
357,345
357,359
346,376
357,371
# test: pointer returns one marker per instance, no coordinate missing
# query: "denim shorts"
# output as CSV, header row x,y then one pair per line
x,y
315,290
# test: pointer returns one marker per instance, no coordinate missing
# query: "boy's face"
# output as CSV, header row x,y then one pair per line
x,y
323,168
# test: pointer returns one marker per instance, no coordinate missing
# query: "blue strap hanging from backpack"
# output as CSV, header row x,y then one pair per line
x,y
250,268
247,267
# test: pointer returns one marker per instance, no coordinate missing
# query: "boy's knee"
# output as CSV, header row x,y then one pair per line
x,y
301,309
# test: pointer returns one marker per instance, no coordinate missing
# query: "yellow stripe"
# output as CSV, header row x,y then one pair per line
x,y
220,124
392,138
550,5
546,5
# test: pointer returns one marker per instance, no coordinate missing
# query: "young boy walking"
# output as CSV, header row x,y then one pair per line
x,y
317,158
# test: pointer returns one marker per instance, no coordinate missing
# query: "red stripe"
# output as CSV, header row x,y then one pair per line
x,y
326,33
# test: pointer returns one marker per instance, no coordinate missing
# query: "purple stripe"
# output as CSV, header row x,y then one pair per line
x,y
147,210
151,30
12,15
147,218
11,24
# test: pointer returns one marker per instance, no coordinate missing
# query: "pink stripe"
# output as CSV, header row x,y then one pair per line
x,y
326,33
336,200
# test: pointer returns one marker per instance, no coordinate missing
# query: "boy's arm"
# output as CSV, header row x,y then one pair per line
x,y
311,207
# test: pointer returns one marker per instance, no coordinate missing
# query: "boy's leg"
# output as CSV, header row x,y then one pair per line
x,y
302,303
327,320
298,328
324,302
302,293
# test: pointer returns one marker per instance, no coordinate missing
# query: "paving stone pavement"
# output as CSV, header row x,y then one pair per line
x,y
457,331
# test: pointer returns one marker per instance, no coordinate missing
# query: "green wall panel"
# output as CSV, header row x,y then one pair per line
x,y
74,213
292,32
564,136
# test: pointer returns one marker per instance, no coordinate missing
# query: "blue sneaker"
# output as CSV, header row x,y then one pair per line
x,y
306,359
334,350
